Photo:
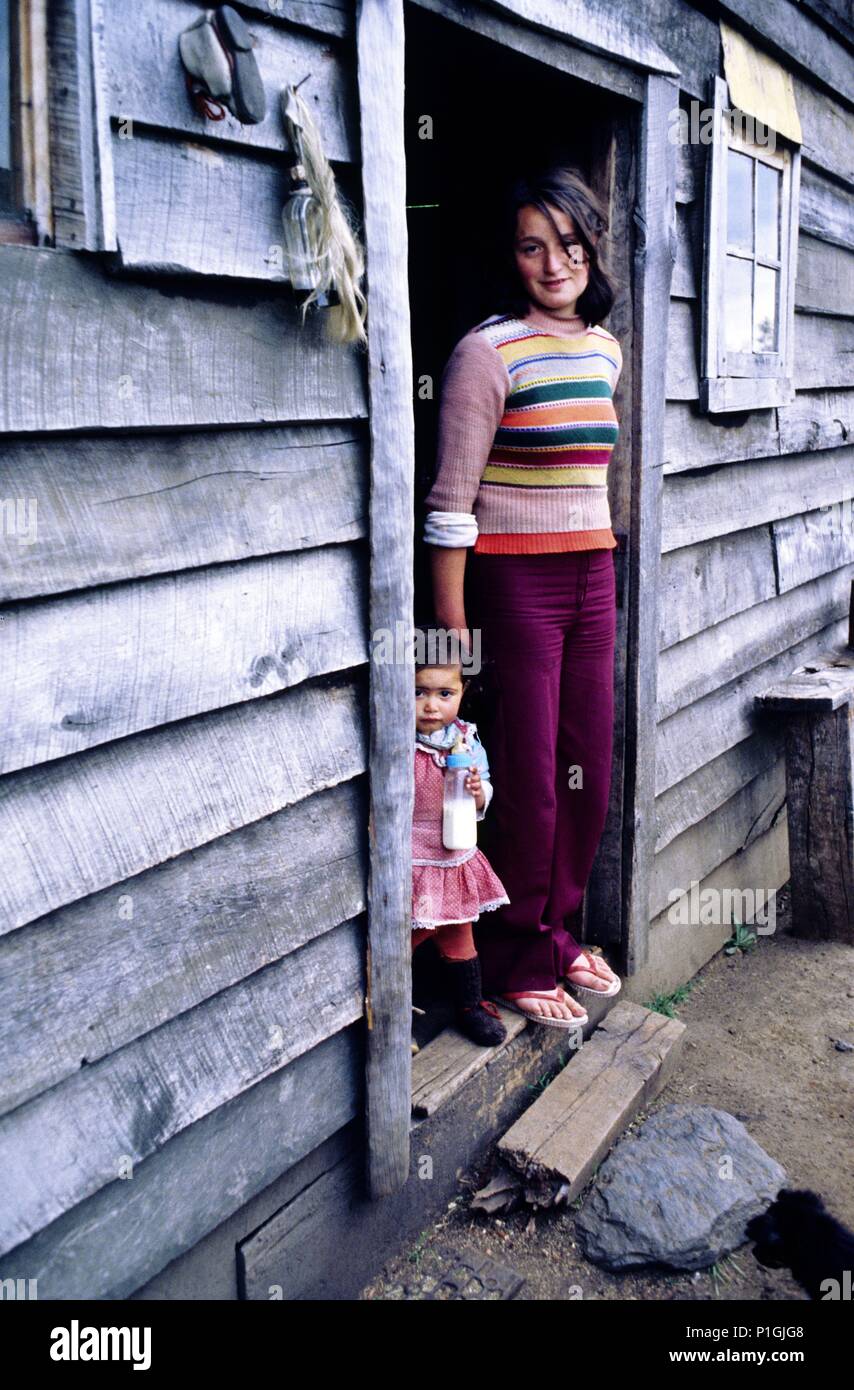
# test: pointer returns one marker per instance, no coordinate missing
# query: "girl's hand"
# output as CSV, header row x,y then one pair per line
x,y
474,785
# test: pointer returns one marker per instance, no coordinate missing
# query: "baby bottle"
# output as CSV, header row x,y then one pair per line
x,y
459,823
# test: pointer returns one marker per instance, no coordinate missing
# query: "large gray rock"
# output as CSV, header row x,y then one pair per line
x,y
661,1198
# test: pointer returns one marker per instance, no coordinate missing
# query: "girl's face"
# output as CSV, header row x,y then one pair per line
x,y
554,269
438,692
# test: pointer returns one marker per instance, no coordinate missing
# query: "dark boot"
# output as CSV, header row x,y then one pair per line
x,y
477,1018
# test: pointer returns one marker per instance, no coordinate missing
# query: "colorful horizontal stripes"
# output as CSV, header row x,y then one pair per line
x,y
544,486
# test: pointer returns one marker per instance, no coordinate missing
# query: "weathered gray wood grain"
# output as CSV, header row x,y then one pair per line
x,y
596,68
117,1240
655,217
812,544
108,508
820,793
734,497
80,1136
726,831
380,62
186,206
83,823
81,350
144,77
705,583
797,41
826,210
702,731
326,16
84,669
713,580
690,802
816,420
597,27
73,171
702,663
84,981
813,420
825,283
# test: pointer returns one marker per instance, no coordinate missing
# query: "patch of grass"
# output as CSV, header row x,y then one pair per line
x,y
417,1250
742,939
668,1004
548,1076
722,1271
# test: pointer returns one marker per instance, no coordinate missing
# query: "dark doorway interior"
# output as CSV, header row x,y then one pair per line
x,y
478,115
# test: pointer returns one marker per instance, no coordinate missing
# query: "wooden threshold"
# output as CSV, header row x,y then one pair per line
x,y
567,1132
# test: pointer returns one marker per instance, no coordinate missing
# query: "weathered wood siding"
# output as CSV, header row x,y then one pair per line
x,y
757,529
183,649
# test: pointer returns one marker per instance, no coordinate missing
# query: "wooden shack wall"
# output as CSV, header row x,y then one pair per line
x,y
757,531
183,653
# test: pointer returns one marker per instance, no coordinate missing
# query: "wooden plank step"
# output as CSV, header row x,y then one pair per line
x,y
568,1131
444,1066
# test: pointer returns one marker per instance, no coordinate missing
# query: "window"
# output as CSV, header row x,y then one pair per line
x,y
749,267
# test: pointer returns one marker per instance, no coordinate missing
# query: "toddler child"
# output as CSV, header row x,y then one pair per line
x,y
450,888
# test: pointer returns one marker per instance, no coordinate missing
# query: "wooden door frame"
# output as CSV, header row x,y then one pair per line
x,y
646,77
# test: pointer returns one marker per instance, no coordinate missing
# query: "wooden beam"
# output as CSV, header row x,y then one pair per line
x,y
380,45
598,27
597,69
655,218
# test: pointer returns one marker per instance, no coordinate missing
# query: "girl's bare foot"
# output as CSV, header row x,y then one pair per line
x,y
558,1005
591,971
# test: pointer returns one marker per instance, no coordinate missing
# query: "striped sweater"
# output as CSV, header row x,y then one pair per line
x,y
526,431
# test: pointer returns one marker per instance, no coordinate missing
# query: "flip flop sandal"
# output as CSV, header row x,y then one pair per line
x,y
586,991
568,1025
248,98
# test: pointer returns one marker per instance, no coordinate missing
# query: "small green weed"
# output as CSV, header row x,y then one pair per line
x,y
668,1004
742,939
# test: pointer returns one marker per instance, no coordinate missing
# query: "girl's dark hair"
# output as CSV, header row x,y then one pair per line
x,y
435,647
557,187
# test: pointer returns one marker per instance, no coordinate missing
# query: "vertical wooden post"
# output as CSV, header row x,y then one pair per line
x,y
655,256
380,52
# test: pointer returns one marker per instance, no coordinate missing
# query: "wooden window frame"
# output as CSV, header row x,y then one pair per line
x,y
32,224
736,380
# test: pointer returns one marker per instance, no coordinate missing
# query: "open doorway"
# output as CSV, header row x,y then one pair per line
x,y
478,115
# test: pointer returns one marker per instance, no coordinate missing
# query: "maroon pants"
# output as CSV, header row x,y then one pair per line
x,y
548,623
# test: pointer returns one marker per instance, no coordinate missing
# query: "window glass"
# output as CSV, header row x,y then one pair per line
x,y
737,306
767,211
765,310
739,200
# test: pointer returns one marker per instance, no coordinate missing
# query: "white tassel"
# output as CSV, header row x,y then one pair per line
x,y
340,258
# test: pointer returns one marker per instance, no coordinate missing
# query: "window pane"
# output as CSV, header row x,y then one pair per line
x,y
767,211
737,305
739,200
765,310
5,144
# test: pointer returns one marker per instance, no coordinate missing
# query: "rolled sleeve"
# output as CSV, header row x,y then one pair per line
x,y
474,391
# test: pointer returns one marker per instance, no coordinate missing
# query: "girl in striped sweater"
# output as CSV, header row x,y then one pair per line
x,y
527,428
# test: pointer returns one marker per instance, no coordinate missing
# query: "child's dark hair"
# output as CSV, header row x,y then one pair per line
x,y
437,646
557,187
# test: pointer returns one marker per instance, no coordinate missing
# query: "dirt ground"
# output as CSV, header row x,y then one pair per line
x,y
760,1044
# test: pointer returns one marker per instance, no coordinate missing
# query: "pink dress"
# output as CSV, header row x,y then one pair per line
x,y
448,885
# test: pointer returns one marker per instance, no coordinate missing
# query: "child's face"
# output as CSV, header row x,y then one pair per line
x,y
438,691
